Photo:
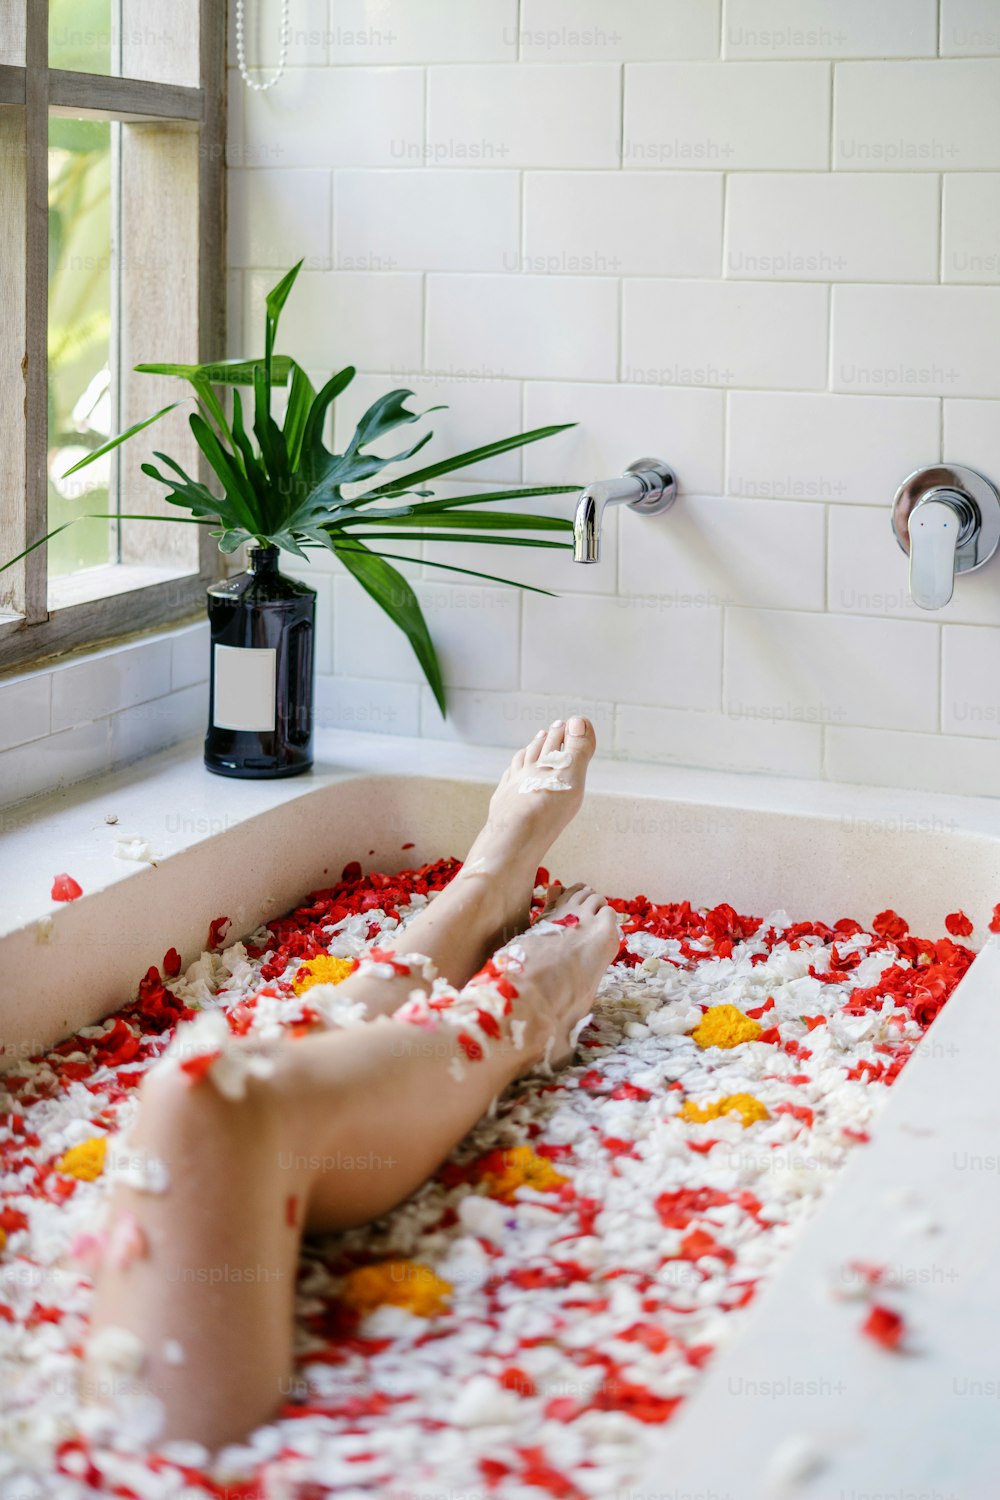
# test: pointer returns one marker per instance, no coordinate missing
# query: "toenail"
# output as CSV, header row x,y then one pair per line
x,y
539,734
578,726
556,724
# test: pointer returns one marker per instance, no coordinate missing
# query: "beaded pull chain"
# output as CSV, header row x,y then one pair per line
x,y
251,83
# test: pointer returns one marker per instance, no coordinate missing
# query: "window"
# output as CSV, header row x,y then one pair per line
x,y
112,141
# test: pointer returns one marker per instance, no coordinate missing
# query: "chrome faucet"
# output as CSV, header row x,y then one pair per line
x,y
648,486
947,518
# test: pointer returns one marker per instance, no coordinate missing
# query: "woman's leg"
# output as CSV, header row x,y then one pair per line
x,y
489,901
209,1293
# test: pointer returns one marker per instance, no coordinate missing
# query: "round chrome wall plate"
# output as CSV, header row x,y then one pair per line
x,y
976,499
661,486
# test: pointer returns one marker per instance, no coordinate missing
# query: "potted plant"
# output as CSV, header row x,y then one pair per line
x,y
283,491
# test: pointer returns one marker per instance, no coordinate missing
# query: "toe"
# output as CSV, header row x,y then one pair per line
x,y
594,901
581,738
533,750
554,737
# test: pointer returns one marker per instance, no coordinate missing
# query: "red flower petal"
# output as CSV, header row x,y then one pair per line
x,y
889,924
958,924
172,963
65,888
995,919
217,932
884,1326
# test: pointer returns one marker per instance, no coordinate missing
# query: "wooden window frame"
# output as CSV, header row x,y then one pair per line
x,y
29,630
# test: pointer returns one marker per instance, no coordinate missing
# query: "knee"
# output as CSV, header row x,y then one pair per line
x,y
179,1112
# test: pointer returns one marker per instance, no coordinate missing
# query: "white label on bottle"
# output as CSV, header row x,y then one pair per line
x,y
244,687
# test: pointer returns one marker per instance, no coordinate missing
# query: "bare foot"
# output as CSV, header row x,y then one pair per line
x,y
524,819
557,973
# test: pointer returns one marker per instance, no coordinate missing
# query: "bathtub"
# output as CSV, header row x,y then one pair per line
x,y
797,1403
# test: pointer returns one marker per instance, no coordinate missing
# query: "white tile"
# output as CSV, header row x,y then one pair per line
x,y
358,117
822,447
971,233
831,669
307,36
926,340
482,717
969,28
834,226
724,333
372,707
528,116
277,216
616,650
928,116
333,318
474,630
629,31
149,727
56,761
726,116
970,681
922,762
972,436
620,423
763,553
93,686
680,738
869,573
829,28
323,633
189,655
25,708
546,327
427,221
476,412
590,222
423,31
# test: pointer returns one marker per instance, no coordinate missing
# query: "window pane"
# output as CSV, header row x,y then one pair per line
x,y
151,39
81,388
80,35
12,32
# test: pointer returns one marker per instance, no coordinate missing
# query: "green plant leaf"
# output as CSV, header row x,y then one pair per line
x,y
382,416
472,456
390,590
122,437
234,481
300,399
225,371
273,303
450,536
499,520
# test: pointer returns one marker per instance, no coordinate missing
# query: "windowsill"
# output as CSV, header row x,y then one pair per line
x,y
89,584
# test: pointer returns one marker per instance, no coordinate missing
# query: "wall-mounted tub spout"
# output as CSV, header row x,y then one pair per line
x,y
947,518
648,486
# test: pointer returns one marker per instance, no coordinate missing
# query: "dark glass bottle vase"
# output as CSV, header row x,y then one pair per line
x,y
261,677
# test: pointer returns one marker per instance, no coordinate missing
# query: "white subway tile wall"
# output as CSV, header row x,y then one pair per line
x,y
757,238
97,711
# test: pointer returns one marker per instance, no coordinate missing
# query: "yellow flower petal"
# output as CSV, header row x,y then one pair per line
x,y
749,1109
725,1026
398,1283
85,1161
520,1167
322,970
